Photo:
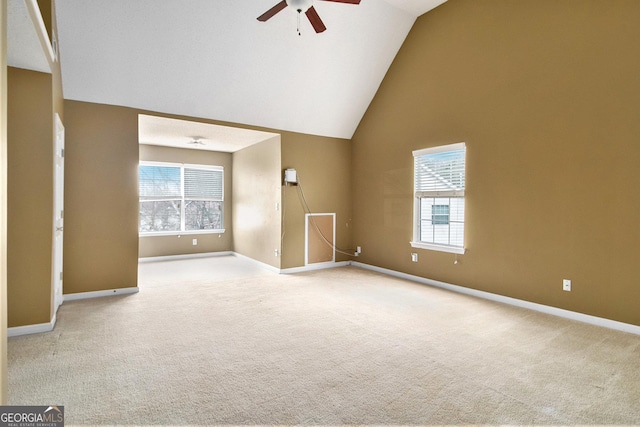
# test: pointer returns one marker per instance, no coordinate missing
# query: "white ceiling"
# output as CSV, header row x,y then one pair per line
x,y
24,49
153,130
213,59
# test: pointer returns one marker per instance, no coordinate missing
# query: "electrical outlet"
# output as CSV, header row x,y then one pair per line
x,y
359,249
195,242
276,252
566,285
414,257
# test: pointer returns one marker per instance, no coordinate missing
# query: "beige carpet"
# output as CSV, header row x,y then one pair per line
x,y
332,347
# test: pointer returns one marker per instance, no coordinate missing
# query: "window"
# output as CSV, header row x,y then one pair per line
x,y
440,214
181,198
439,198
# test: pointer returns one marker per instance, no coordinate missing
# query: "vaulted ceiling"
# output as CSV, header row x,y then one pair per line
x,y
213,59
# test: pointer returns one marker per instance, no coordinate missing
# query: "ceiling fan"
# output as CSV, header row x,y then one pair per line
x,y
196,140
300,6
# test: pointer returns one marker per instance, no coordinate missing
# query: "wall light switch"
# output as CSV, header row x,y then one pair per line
x,y
566,285
195,242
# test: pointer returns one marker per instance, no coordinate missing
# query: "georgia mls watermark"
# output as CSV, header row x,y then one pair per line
x,y
31,416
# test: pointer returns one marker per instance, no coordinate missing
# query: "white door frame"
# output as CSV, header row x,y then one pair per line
x,y
58,213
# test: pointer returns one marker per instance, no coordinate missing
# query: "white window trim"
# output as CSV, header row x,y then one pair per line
x,y
179,233
440,149
182,165
416,243
436,247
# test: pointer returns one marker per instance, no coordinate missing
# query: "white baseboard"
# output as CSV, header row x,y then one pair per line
x,y
255,261
48,327
17,331
312,267
572,315
183,256
99,294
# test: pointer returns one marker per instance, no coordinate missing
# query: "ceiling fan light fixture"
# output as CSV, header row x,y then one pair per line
x,y
196,140
300,5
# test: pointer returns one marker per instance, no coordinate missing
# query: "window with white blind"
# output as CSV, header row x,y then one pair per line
x,y
176,198
439,198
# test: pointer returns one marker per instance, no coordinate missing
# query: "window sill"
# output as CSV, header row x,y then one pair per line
x,y
180,233
441,248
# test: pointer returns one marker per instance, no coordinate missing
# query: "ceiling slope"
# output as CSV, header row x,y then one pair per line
x,y
24,46
213,59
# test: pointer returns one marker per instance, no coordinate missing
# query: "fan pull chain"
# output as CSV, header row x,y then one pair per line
x,y
299,12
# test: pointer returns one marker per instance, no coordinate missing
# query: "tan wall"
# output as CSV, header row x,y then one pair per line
x,y
176,245
3,203
30,196
324,168
101,197
256,190
545,94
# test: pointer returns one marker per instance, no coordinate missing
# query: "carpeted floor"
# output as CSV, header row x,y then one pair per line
x,y
240,345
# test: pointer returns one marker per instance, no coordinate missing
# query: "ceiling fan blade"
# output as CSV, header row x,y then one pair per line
x,y
275,9
315,20
345,1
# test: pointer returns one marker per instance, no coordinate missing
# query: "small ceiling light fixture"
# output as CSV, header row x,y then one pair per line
x,y
300,5
196,140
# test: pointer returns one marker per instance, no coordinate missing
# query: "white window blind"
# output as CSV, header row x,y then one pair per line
x,y
440,172
203,184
